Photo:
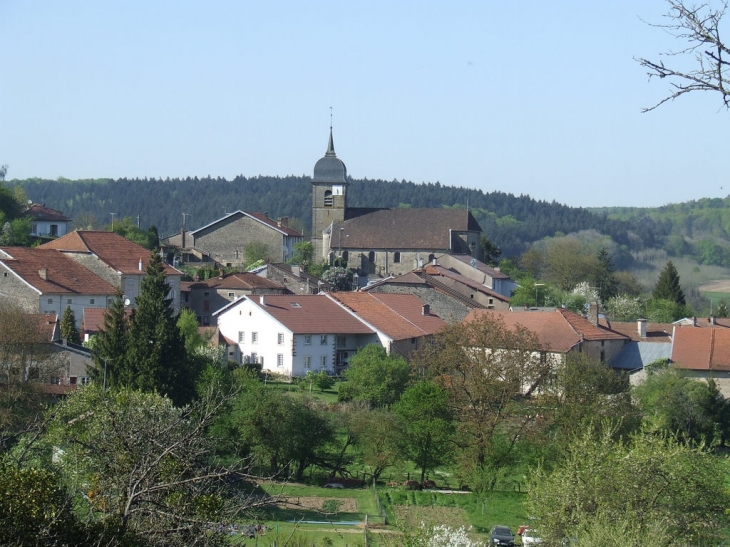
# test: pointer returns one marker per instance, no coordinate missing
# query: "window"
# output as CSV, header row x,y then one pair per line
x,y
68,301
231,295
206,320
371,257
396,257
279,359
206,293
431,258
341,339
307,339
54,229
307,361
84,380
328,199
323,340
280,338
241,337
345,256
91,301
50,300
322,361
206,305
5,274
254,358
254,337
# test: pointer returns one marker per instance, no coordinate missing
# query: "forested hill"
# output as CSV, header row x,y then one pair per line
x,y
511,222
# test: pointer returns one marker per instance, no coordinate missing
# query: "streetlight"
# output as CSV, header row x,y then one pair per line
x,y
536,286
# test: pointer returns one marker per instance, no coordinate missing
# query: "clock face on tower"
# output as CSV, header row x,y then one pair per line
x,y
337,190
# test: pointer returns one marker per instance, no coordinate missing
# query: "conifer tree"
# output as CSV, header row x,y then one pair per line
x,y
110,344
68,327
604,280
668,287
156,360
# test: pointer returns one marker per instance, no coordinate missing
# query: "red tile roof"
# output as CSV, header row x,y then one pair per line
x,y
400,316
311,314
436,271
94,319
557,331
240,281
701,349
655,332
62,275
39,211
118,252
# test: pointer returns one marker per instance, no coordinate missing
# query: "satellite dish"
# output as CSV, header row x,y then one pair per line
x,y
586,305
473,262
127,302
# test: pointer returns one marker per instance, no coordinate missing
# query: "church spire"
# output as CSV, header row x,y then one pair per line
x,y
331,145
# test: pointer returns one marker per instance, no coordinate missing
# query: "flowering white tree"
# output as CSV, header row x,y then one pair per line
x,y
624,308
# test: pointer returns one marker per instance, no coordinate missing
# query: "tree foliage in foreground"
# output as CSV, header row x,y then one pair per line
x,y
645,483
143,468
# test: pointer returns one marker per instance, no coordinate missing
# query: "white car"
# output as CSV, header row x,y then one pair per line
x,y
530,537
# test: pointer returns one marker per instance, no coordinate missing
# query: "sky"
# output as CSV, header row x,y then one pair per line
x,y
541,98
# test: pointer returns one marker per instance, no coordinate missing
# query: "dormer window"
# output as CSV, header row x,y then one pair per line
x,y
328,199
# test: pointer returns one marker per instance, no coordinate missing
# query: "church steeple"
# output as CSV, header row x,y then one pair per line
x,y
331,145
329,195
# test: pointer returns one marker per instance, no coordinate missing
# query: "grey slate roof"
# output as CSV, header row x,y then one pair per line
x,y
636,355
330,169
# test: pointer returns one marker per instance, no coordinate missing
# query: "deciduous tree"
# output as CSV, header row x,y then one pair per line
x,y
375,377
698,28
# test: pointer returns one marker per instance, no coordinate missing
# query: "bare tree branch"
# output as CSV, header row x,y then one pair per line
x,y
699,28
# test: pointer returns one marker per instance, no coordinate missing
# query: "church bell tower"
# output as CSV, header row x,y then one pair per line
x,y
329,195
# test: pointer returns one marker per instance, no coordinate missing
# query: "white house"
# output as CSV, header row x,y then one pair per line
x,y
293,334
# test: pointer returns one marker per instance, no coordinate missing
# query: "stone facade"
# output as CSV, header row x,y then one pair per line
x,y
446,307
225,240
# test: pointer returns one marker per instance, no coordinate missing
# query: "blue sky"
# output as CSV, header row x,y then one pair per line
x,y
541,98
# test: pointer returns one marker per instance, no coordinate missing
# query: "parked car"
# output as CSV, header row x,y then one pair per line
x,y
530,537
334,485
501,535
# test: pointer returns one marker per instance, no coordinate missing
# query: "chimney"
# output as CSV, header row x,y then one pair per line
x,y
182,237
43,272
284,221
713,320
139,266
426,310
641,325
593,313
263,300
433,262
694,321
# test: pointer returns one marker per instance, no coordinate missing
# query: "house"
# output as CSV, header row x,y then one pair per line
x,y
450,305
560,332
55,364
47,222
119,261
43,280
93,322
293,334
465,285
224,240
205,297
703,353
401,321
293,278
468,266
648,342
382,242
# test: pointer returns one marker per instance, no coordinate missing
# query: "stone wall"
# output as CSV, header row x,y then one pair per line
x,y
226,241
446,307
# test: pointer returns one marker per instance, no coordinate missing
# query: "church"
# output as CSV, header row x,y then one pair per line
x,y
382,242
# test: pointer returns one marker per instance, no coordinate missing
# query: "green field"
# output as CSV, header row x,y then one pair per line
x,y
324,517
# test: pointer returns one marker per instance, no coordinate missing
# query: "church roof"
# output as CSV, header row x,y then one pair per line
x,y
416,229
330,169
